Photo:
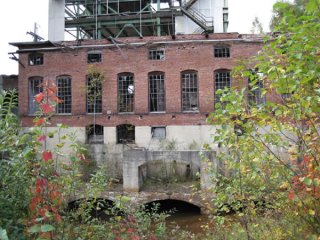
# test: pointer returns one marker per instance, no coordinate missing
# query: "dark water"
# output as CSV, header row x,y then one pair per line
x,y
187,216
189,221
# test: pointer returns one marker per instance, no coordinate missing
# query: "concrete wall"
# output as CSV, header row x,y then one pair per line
x,y
135,159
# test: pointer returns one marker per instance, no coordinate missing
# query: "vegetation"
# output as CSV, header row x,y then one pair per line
x,y
272,150
270,182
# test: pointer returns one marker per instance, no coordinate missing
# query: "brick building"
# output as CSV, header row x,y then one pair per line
x,y
156,94
160,78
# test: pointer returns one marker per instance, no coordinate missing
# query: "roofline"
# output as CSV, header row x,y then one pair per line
x,y
60,45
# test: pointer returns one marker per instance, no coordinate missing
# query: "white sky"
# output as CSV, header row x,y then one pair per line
x,y
18,17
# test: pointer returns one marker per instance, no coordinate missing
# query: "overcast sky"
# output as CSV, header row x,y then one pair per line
x,y
18,17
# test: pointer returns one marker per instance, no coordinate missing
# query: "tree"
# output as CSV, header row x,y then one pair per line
x,y
296,8
256,26
272,150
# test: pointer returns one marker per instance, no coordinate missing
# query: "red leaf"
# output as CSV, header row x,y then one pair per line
x,y
39,97
41,182
46,108
130,230
39,122
291,195
56,99
46,156
41,138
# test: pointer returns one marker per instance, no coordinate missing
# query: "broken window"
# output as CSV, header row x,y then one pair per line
x,y
94,94
125,134
35,87
156,54
222,81
94,134
35,59
94,56
221,51
156,92
158,132
189,83
64,94
255,86
125,92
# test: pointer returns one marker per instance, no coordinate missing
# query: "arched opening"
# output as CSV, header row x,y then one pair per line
x,y
125,134
173,206
94,134
186,215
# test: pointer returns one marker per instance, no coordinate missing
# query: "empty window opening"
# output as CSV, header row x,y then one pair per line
x,y
35,59
156,54
158,132
156,92
189,91
222,81
35,87
94,56
125,134
94,94
125,92
221,51
64,94
94,133
255,87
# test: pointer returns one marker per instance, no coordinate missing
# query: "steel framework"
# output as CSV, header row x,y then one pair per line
x,y
98,19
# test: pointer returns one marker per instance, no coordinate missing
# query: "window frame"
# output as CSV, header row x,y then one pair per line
x,y
216,88
157,99
129,107
157,54
35,59
131,135
32,104
99,100
64,102
93,130
184,104
94,59
254,92
222,51
153,136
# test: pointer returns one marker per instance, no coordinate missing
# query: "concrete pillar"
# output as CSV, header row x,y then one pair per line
x,y
132,160
208,169
56,20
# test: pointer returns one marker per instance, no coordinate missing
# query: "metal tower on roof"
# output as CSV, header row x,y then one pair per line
x,y
96,19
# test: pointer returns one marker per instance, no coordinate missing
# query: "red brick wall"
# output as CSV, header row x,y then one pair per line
x,y
178,57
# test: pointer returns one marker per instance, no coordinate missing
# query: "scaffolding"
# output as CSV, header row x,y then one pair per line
x,y
97,19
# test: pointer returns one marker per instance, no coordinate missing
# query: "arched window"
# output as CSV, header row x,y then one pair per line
x,y
94,94
189,91
35,87
125,92
222,80
94,133
156,92
255,86
64,94
125,133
